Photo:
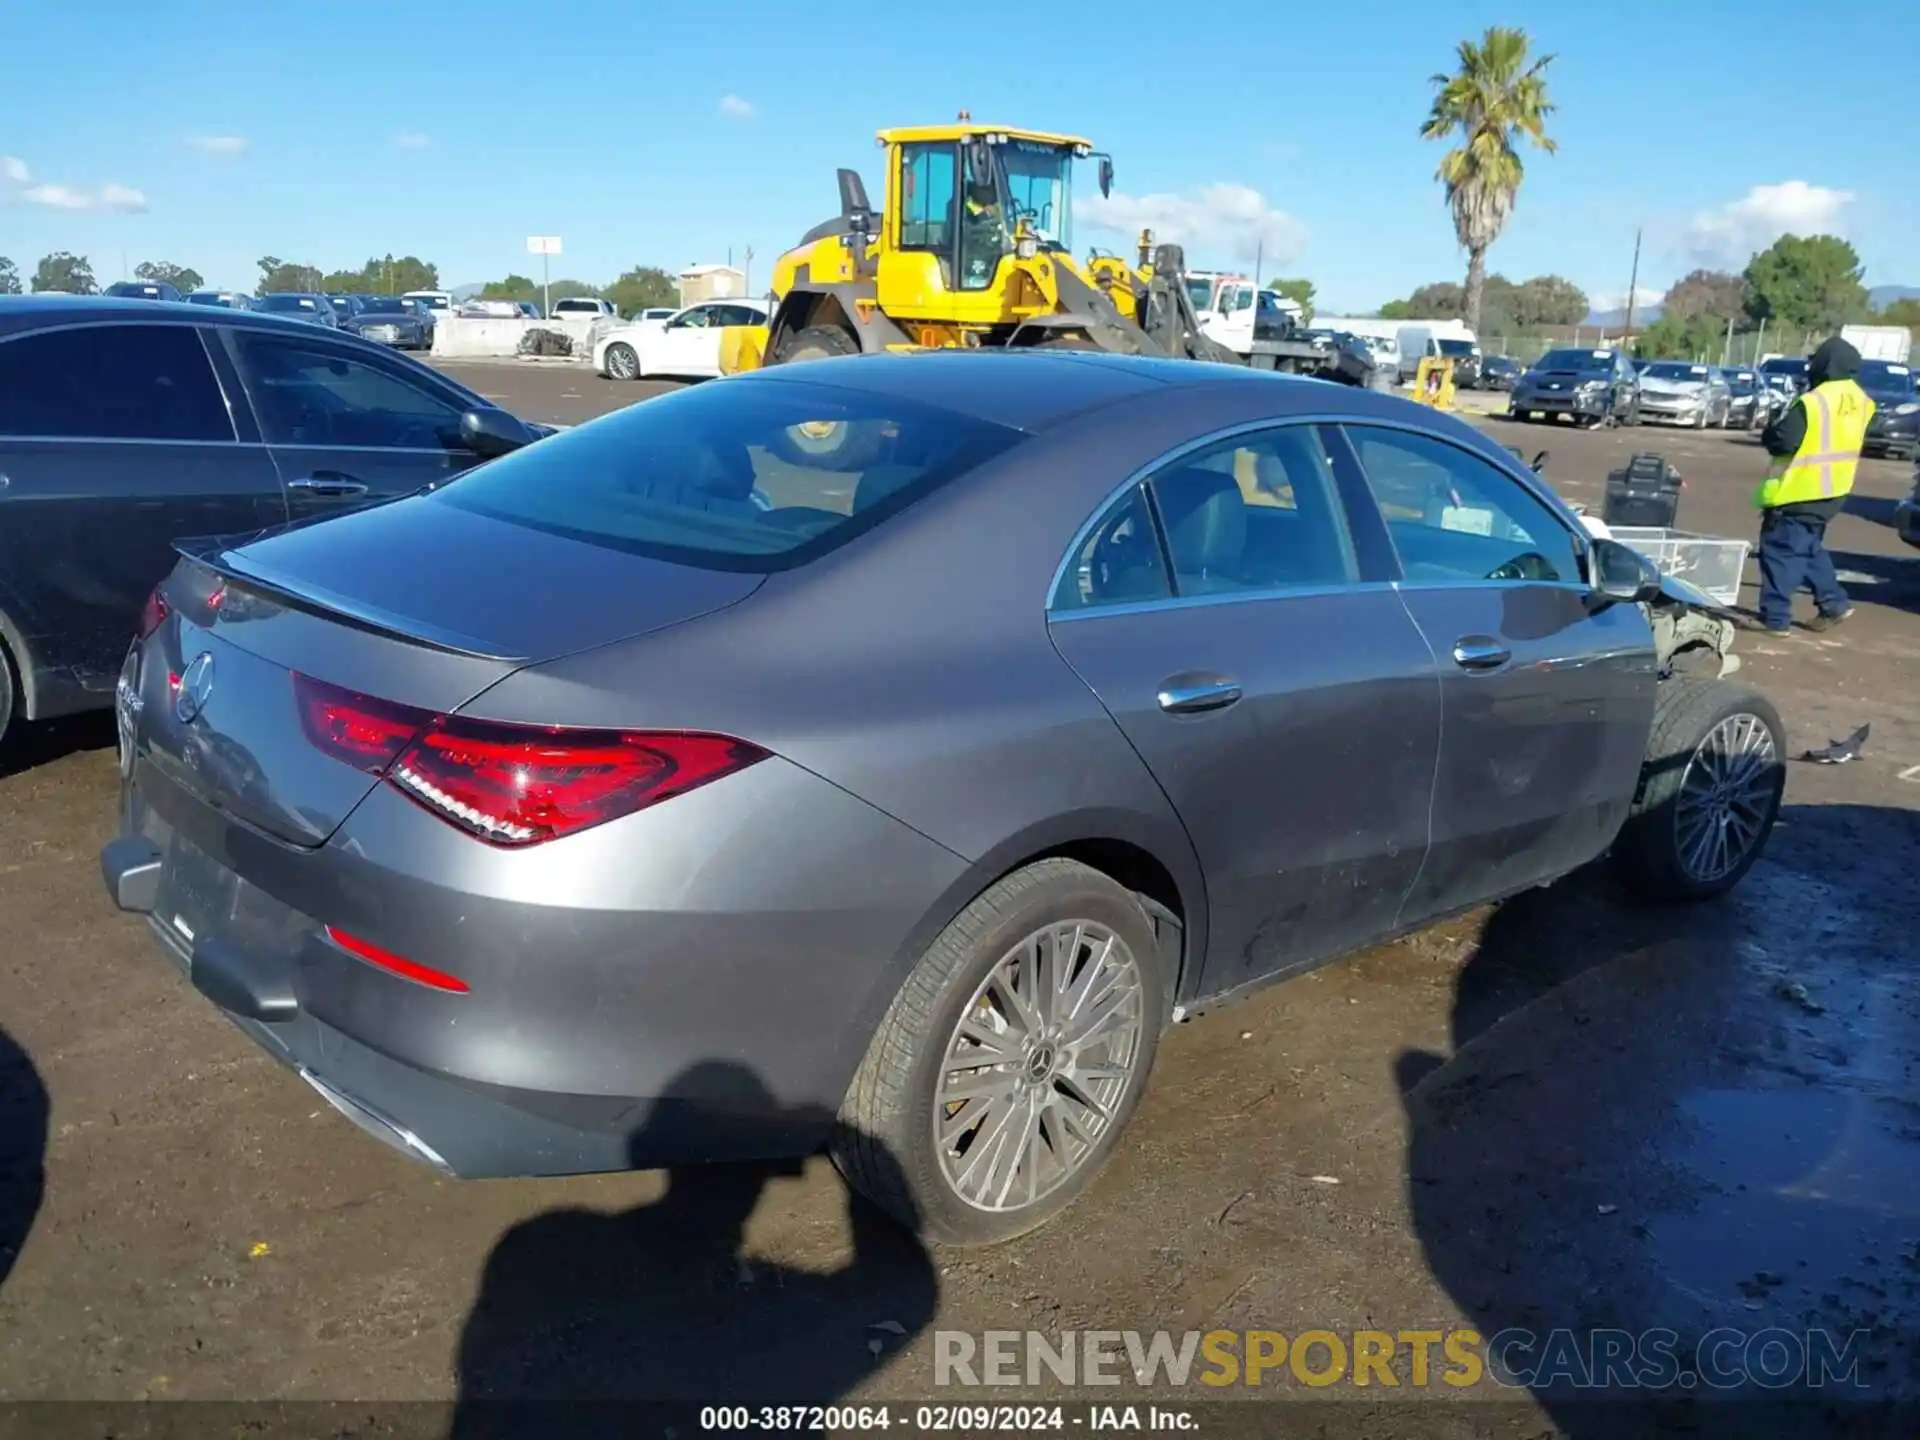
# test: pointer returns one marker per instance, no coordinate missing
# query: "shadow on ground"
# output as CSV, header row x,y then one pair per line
x,y
23,1148
1892,580
46,741
1684,1129
581,1313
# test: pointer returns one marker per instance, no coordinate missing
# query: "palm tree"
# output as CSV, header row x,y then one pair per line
x,y
1490,101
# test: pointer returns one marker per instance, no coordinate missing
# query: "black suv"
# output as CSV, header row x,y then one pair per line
x,y
126,424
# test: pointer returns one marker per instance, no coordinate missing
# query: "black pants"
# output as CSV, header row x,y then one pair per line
x,y
1793,552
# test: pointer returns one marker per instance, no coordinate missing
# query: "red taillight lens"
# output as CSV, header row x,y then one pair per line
x,y
520,785
355,729
397,964
153,616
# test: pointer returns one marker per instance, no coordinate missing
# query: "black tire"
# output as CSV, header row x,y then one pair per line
x,y
7,691
1648,849
622,357
832,445
884,1143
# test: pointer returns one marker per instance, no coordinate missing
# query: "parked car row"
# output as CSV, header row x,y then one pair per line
x,y
124,425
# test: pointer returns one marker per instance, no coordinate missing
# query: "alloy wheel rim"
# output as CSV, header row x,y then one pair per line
x,y
1039,1065
624,363
1726,796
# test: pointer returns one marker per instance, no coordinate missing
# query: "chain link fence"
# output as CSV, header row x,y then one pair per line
x,y
1736,346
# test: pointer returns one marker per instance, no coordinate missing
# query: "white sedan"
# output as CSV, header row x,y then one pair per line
x,y
685,346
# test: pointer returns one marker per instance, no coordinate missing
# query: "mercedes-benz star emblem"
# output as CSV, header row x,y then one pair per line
x,y
196,684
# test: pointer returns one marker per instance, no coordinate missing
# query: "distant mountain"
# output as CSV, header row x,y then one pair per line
x,y
1883,295
466,292
1617,319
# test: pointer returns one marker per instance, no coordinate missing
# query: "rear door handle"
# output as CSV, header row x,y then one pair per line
x,y
1193,695
1476,652
329,485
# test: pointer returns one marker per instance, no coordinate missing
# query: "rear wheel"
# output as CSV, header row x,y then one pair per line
x,y
623,362
1709,794
7,692
824,444
1006,1068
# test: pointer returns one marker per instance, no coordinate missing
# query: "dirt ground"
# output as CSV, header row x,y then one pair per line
x,y
1565,1112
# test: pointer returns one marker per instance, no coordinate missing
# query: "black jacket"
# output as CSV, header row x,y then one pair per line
x,y
1834,360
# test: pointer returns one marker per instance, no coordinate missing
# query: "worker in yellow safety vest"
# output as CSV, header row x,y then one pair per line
x,y
1815,443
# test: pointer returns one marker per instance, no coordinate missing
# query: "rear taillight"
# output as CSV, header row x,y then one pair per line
x,y
153,615
355,729
519,785
508,784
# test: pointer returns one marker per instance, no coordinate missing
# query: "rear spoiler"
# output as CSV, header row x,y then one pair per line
x,y
215,555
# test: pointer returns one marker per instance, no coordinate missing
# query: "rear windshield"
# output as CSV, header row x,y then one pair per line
x,y
1575,360
753,476
1456,347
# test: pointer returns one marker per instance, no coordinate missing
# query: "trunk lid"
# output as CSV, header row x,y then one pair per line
x,y
425,610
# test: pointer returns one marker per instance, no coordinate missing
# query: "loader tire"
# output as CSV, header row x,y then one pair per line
x,y
826,444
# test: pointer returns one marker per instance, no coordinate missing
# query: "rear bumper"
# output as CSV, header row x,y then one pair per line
x,y
647,1000
1898,435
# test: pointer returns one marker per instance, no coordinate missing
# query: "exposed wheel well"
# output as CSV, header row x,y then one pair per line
x,y
804,309
1127,864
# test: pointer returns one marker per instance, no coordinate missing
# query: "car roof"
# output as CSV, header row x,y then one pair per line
x,y
1032,391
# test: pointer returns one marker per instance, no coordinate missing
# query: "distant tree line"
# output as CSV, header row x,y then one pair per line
x,y
636,289
1505,307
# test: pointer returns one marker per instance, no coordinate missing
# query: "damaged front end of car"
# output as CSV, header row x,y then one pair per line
x,y
1692,632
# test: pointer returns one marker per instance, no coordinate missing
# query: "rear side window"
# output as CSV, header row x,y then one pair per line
x,y
112,382
735,475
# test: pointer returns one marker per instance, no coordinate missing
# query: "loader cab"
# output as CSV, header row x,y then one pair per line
x,y
958,199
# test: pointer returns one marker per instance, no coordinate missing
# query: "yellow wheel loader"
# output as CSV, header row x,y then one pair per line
x,y
973,247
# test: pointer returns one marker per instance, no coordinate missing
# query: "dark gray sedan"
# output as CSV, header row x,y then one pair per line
x,y
885,751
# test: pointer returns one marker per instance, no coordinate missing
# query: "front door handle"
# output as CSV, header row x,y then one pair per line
x,y
1194,695
1477,652
329,485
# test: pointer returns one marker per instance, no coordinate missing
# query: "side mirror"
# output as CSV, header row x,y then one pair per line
x,y
1621,574
492,433
1106,175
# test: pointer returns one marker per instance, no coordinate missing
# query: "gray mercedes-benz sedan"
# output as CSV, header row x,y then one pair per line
x,y
883,751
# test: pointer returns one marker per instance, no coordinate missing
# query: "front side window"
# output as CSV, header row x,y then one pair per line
x,y
112,382
926,197
312,394
1456,518
744,476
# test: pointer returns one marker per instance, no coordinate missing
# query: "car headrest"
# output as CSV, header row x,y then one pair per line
x,y
1206,521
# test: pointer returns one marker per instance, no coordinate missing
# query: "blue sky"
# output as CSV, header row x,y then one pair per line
x,y
210,133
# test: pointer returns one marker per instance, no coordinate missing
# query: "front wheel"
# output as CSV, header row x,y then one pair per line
x,y
1012,1058
1709,793
623,362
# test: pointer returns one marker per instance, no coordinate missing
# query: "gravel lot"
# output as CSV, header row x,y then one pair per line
x,y
1566,1112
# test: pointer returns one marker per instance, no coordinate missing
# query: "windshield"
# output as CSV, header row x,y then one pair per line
x,y
1884,380
200,299
706,476
1576,360
288,302
1780,365
433,302
1673,370
130,288
1741,382
1039,180
1456,347
386,306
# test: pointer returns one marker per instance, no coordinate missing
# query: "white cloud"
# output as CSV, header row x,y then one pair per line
x,y
1730,234
738,109
108,197
218,144
1214,220
121,197
412,140
15,169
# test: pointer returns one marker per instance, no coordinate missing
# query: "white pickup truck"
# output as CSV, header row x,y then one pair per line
x,y
1240,314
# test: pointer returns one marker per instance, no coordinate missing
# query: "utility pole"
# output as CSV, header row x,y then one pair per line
x,y
746,273
1633,284
1259,255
